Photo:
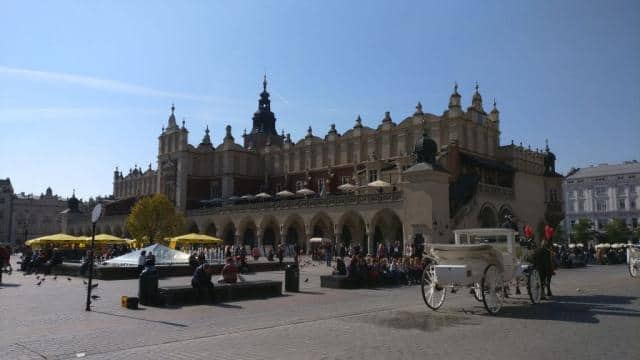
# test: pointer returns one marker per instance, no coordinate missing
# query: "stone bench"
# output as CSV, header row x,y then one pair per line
x,y
184,295
339,282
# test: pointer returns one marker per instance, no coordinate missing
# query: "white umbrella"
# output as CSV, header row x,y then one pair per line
x,y
285,193
247,197
379,184
305,192
347,187
263,195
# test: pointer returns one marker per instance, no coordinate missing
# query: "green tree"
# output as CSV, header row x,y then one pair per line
x,y
582,230
616,231
153,219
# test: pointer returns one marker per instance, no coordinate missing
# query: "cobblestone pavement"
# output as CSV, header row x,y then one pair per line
x,y
595,313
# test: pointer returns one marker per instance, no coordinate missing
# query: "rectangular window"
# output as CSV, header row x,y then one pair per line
x,y
621,204
373,175
621,191
582,205
634,222
601,205
601,190
632,205
345,179
320,183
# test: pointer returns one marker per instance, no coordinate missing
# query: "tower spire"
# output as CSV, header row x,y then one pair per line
x,y
264,83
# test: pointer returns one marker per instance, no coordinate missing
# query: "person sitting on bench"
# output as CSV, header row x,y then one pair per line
x,y
201,281
230,272
341,268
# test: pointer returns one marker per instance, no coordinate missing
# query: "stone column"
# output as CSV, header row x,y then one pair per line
x,y
370,249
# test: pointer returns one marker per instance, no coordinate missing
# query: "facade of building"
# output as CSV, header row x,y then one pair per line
x,y
469,180
26,216
602,193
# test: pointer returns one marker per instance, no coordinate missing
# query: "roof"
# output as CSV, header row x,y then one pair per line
x,y
630,167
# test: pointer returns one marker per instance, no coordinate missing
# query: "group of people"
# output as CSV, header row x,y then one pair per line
x,y
40,260
201,280
374,270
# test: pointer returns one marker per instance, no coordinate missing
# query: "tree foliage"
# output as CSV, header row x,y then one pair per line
x,y
153,219
617,231
582,230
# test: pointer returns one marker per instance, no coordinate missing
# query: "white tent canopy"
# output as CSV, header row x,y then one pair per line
x,y
163,254
319,240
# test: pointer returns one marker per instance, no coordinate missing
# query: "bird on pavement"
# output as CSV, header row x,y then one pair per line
x,y
95,297
55,277
84,282
306,280
39,283
69,279
93,286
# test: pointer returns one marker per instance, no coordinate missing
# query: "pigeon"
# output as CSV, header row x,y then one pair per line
x,y
39,283
95,297
306,280
94,286
69,279
84,282
37,276
55,277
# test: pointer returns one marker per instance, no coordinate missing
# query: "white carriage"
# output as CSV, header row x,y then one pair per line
x,y
485,260
634,260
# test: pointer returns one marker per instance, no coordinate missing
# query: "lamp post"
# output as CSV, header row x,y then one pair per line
x,y
95,216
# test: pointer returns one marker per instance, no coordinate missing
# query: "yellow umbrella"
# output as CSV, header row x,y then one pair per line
x,y
194,238
107,239
57,239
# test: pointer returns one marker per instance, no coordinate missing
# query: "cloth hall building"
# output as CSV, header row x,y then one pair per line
x,y
436,173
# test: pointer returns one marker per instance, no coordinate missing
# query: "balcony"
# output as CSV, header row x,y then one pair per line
x,y
298,203
495,190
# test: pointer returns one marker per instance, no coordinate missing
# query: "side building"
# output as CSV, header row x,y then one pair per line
x,y
471,180
25,216
602,193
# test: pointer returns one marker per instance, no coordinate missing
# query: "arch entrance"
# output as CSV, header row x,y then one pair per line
x,y
488,217
354,231
229,234
387,229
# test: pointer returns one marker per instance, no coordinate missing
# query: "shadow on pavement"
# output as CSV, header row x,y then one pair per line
x,y
578,308
9,285
142,319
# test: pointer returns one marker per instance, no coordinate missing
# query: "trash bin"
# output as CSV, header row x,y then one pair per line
x,y
292,278
148,286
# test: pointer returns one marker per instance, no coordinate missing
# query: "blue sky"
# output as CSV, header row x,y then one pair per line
x,y
87,85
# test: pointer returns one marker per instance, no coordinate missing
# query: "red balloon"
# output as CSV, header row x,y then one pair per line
x,y
548,232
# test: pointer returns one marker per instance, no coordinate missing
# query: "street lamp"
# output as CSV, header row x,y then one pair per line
x,y
95,216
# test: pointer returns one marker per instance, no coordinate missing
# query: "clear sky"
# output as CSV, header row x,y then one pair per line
x,y
87,85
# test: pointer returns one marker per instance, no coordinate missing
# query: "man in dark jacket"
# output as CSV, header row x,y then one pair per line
x,y
201,281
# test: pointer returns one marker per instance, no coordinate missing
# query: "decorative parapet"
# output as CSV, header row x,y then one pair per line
x,y
496,190
284,204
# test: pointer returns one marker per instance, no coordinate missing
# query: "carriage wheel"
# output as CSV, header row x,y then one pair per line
x,y
477,292
633,267
534,286
492,289
432,294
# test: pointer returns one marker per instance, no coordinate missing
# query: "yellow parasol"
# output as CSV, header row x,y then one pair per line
x,y
55,239
105,239
194,238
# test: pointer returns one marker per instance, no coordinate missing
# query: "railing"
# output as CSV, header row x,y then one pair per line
x,y
283,204
494,189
